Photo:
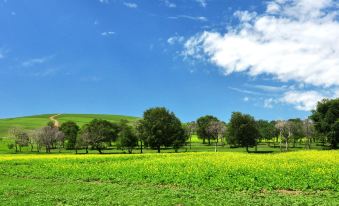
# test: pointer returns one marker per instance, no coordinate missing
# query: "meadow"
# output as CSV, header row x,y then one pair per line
x,y
196,175
204,178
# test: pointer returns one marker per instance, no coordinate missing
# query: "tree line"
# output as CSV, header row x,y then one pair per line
x,y
161,128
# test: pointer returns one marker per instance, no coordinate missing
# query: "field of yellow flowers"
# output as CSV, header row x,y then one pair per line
x,y
306,171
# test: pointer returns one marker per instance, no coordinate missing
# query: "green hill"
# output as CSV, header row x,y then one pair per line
x,y
33,122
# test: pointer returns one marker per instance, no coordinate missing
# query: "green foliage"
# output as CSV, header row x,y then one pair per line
x,y
127,138
202,127
70,130
159,127
325,117
267,129
243,130
99,132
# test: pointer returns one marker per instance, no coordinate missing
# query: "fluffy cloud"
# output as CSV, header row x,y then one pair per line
x,y
302,100
292,41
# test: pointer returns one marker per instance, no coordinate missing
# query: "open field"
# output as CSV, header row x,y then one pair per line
x,y
308,178
33,122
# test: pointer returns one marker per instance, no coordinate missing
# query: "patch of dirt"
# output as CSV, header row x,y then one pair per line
x,y
53,119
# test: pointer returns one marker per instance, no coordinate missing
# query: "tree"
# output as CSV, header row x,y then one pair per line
x,y
159,127
216,129
202,128
243,129
266,129
297,130
83,140
49,136
70,129
99,133
127,138
325,117
309,131
190,129
20,138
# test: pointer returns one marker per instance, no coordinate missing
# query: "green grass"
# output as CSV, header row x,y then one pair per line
x,y
295,178
33,122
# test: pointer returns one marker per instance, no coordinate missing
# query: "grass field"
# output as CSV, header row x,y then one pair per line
x,y
33,122
295,178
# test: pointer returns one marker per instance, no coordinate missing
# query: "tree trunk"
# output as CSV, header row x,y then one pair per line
x,y
286,145
86,150
99,149
204,140
247,149
158,149
209,141
140,146
216,146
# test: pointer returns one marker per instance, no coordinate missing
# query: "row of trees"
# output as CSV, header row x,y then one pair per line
x,y
160,128
156,129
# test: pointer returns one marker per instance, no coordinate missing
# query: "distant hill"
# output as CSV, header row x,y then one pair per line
x,y
33,122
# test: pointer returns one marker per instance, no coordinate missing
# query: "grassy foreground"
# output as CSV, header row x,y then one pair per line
x,y
300,178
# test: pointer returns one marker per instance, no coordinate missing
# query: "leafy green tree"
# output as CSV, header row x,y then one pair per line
x,y
70,129
202,128
325,118
159,127
297,130
128,138
99,133
243,129
266,129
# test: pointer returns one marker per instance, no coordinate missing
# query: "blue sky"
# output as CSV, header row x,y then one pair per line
x,y
195,57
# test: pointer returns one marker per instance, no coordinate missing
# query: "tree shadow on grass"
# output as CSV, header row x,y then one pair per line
x,y
261,152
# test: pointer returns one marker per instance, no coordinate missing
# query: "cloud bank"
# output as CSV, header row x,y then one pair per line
x,y
292,41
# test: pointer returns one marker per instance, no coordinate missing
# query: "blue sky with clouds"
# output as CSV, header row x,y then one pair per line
x,y
272,59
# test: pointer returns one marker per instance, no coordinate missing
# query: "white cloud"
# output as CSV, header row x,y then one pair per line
x,y
175,39
305,101
194,18
202,3
246,99
131,5
169,4
301,48
107,33
294,41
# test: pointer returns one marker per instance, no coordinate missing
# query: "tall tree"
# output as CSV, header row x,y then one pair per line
x,y
266,129
70,129
100,133
161,128
244,130
127,138
326,117
202,128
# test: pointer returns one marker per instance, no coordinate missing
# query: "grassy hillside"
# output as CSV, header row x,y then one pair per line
x,y
33,122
